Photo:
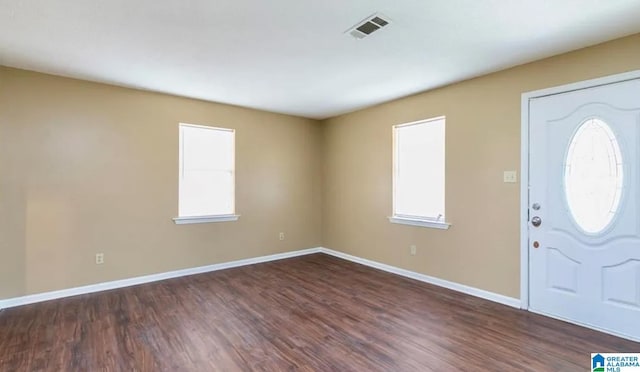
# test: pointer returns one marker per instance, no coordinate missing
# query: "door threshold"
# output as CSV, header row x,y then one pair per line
x,y
585,325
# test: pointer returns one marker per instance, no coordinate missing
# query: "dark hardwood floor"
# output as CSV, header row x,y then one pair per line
x,y
309,313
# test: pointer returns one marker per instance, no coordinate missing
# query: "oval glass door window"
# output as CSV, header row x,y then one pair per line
x,y
593,176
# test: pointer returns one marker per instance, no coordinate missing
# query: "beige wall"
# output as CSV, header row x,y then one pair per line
x,y
88,168
482,139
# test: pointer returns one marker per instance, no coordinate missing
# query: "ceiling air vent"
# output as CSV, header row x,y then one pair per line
x,y
368,26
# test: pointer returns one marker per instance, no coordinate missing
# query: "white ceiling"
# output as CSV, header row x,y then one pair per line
x,y
292,56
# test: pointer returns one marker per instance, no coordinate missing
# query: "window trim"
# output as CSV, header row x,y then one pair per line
x,y
183,220
205,219
420,221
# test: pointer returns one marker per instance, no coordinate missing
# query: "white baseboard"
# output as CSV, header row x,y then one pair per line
x,y
491,296
46,296
505,300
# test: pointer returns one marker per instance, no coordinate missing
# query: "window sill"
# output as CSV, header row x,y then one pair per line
x,y
205,219
419,222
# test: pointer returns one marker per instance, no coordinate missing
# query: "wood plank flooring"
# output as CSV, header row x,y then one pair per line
x,y
315,313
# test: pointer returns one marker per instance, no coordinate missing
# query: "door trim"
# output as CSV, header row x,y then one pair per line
x,y
524,164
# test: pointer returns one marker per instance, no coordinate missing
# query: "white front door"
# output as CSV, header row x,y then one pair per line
x,y
584,206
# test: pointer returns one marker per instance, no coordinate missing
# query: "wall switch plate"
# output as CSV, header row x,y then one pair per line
x,y
510,176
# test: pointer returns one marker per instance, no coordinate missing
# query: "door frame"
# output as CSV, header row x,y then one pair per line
x,y
524,164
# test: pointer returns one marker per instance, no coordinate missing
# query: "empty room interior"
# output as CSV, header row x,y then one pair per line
x,y
293,185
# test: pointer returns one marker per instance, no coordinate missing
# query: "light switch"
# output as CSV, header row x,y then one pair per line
x,y
510,176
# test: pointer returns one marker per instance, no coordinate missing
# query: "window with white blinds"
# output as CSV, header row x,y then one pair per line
x,y
419,173
207,173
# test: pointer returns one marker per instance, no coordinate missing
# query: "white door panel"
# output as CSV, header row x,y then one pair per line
x,y
587,266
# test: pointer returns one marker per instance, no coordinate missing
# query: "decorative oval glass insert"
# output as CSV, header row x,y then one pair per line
x,y
593,176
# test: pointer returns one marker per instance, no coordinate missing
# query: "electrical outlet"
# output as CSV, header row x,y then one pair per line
x,y
281,236
412,250
99,258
